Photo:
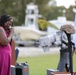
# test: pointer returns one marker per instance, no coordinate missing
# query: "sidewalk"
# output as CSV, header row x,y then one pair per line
x,y
34,51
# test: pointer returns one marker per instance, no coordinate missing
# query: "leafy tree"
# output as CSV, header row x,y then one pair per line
x,y
16,8
70,14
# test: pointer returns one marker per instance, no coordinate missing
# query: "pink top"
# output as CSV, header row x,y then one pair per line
x,y
6,48
5,59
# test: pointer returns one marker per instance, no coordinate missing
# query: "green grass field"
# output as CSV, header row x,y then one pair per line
x,y
38,65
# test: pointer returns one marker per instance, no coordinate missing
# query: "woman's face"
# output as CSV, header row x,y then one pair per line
x,y
8,24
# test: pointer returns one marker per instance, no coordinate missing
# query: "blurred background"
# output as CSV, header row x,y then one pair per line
x,y
49,9
32,18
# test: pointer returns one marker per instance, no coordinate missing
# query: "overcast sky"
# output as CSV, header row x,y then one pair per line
x,y
66,3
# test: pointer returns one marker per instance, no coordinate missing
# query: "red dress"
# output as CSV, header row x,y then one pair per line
x,y
5,59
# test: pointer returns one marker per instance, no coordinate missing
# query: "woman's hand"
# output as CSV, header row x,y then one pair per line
x,y
11,31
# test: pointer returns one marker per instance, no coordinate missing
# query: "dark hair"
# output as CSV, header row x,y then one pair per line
x,y
4,18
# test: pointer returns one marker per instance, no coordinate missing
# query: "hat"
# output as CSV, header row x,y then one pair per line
x,y
69,29
4,18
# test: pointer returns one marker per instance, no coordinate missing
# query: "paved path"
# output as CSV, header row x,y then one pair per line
x,y
34,51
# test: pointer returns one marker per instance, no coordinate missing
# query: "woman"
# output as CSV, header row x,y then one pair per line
x,y
6,32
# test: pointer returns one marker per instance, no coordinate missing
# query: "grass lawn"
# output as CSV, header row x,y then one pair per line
x,y
38,65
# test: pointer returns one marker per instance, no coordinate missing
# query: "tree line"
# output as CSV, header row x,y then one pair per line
x,y
16,8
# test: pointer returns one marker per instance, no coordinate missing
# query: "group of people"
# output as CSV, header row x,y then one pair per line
x,y
6,33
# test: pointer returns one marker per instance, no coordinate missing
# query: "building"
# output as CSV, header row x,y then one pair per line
x,y
31,16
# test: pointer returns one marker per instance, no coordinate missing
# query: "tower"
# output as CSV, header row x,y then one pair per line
x,y
31,16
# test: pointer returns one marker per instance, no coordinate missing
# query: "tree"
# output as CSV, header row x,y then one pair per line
x,y
17,8
70,14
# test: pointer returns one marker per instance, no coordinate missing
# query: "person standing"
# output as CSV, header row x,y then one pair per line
x,y
67,48
6,33
64,54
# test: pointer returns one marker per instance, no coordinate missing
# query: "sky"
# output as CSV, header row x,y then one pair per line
x,y
66,3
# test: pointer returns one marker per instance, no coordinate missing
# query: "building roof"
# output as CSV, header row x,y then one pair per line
x,y
61,21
